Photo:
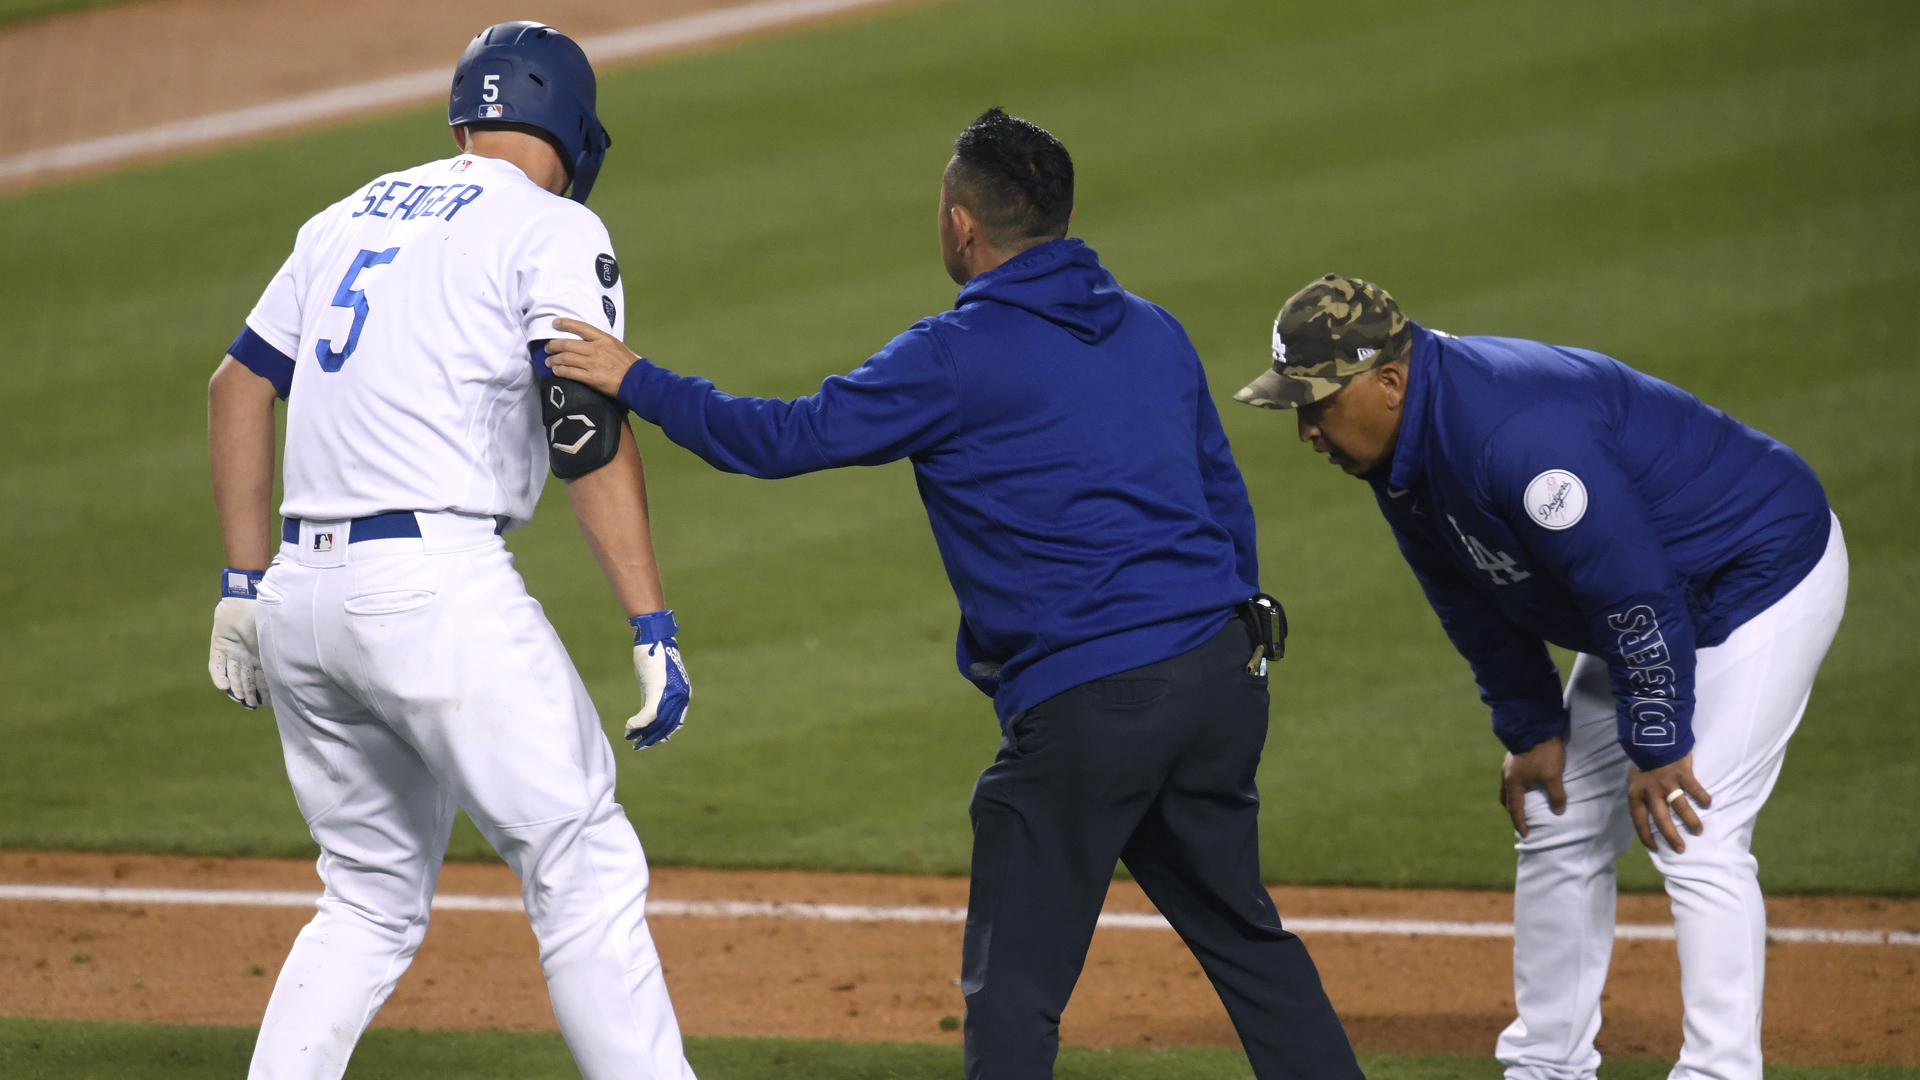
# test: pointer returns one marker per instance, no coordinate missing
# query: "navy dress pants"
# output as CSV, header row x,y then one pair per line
x,y
1153,767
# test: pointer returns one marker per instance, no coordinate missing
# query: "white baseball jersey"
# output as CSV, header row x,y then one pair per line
x,y
407,311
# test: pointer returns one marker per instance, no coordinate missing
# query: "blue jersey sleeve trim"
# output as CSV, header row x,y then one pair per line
x,y
537,352
263,360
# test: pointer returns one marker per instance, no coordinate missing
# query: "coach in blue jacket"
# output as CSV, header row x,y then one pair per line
x,y
1548,494
1100,543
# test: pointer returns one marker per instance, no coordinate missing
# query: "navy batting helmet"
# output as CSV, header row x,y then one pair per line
x,y
530,73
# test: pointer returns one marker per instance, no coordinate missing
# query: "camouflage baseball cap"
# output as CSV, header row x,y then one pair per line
x,y
1329,332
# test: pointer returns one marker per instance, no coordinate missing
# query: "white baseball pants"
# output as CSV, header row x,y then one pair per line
x,y
411,676
1750,693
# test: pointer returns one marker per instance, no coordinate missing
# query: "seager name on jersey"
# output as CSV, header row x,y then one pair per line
x,y
399,330
400,199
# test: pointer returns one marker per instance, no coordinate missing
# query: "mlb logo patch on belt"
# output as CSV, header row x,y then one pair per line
x,y
323,541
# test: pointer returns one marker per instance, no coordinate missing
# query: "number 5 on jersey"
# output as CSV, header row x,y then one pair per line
x,y
346,296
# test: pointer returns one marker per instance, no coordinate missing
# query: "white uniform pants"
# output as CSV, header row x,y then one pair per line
x,y
411,676
1750,693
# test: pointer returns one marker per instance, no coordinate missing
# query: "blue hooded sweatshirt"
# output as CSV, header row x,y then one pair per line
x,y
1542,493
1080,488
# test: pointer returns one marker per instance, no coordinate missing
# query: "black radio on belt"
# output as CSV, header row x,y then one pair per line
x,y
1267,627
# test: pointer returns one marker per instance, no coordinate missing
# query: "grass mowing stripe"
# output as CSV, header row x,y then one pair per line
x,y
1718,192
34,1049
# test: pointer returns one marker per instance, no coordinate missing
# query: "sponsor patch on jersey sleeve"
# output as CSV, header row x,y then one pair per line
x,y
606,305
1556,499
607,269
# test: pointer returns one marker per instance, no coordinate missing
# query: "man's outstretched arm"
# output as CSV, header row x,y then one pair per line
x,y
896,404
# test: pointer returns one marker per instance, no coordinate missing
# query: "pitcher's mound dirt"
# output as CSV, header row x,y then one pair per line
x,y
863,981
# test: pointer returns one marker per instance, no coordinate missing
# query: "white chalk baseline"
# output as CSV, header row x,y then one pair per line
x,y
866,913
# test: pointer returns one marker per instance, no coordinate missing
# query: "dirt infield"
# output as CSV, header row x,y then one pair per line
x,y
107,71
864,981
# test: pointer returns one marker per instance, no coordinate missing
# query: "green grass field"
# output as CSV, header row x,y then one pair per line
x,y
1726,194
67,1050
12,11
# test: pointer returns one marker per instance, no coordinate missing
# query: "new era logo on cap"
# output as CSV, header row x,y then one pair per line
x,y
1364,355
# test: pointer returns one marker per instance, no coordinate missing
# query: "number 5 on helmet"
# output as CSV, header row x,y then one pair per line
x,y
530,75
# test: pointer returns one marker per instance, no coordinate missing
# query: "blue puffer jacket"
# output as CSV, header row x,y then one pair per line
x,y
1543,493
1081,491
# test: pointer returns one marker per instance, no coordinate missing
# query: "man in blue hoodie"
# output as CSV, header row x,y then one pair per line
x,y
1548,494
1100,543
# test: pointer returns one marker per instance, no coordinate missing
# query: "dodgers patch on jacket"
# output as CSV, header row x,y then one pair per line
x,y
1556,499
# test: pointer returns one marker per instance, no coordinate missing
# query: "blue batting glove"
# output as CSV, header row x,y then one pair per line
x,y
664,688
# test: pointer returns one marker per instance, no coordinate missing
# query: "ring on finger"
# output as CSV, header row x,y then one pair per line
x,y
1675,794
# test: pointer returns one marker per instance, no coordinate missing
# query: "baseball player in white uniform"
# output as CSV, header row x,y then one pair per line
x,y
409,671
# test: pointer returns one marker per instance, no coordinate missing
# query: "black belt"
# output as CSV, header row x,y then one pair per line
x,y
397,525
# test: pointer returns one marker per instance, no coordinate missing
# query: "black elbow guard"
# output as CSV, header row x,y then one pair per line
x,y
582,425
